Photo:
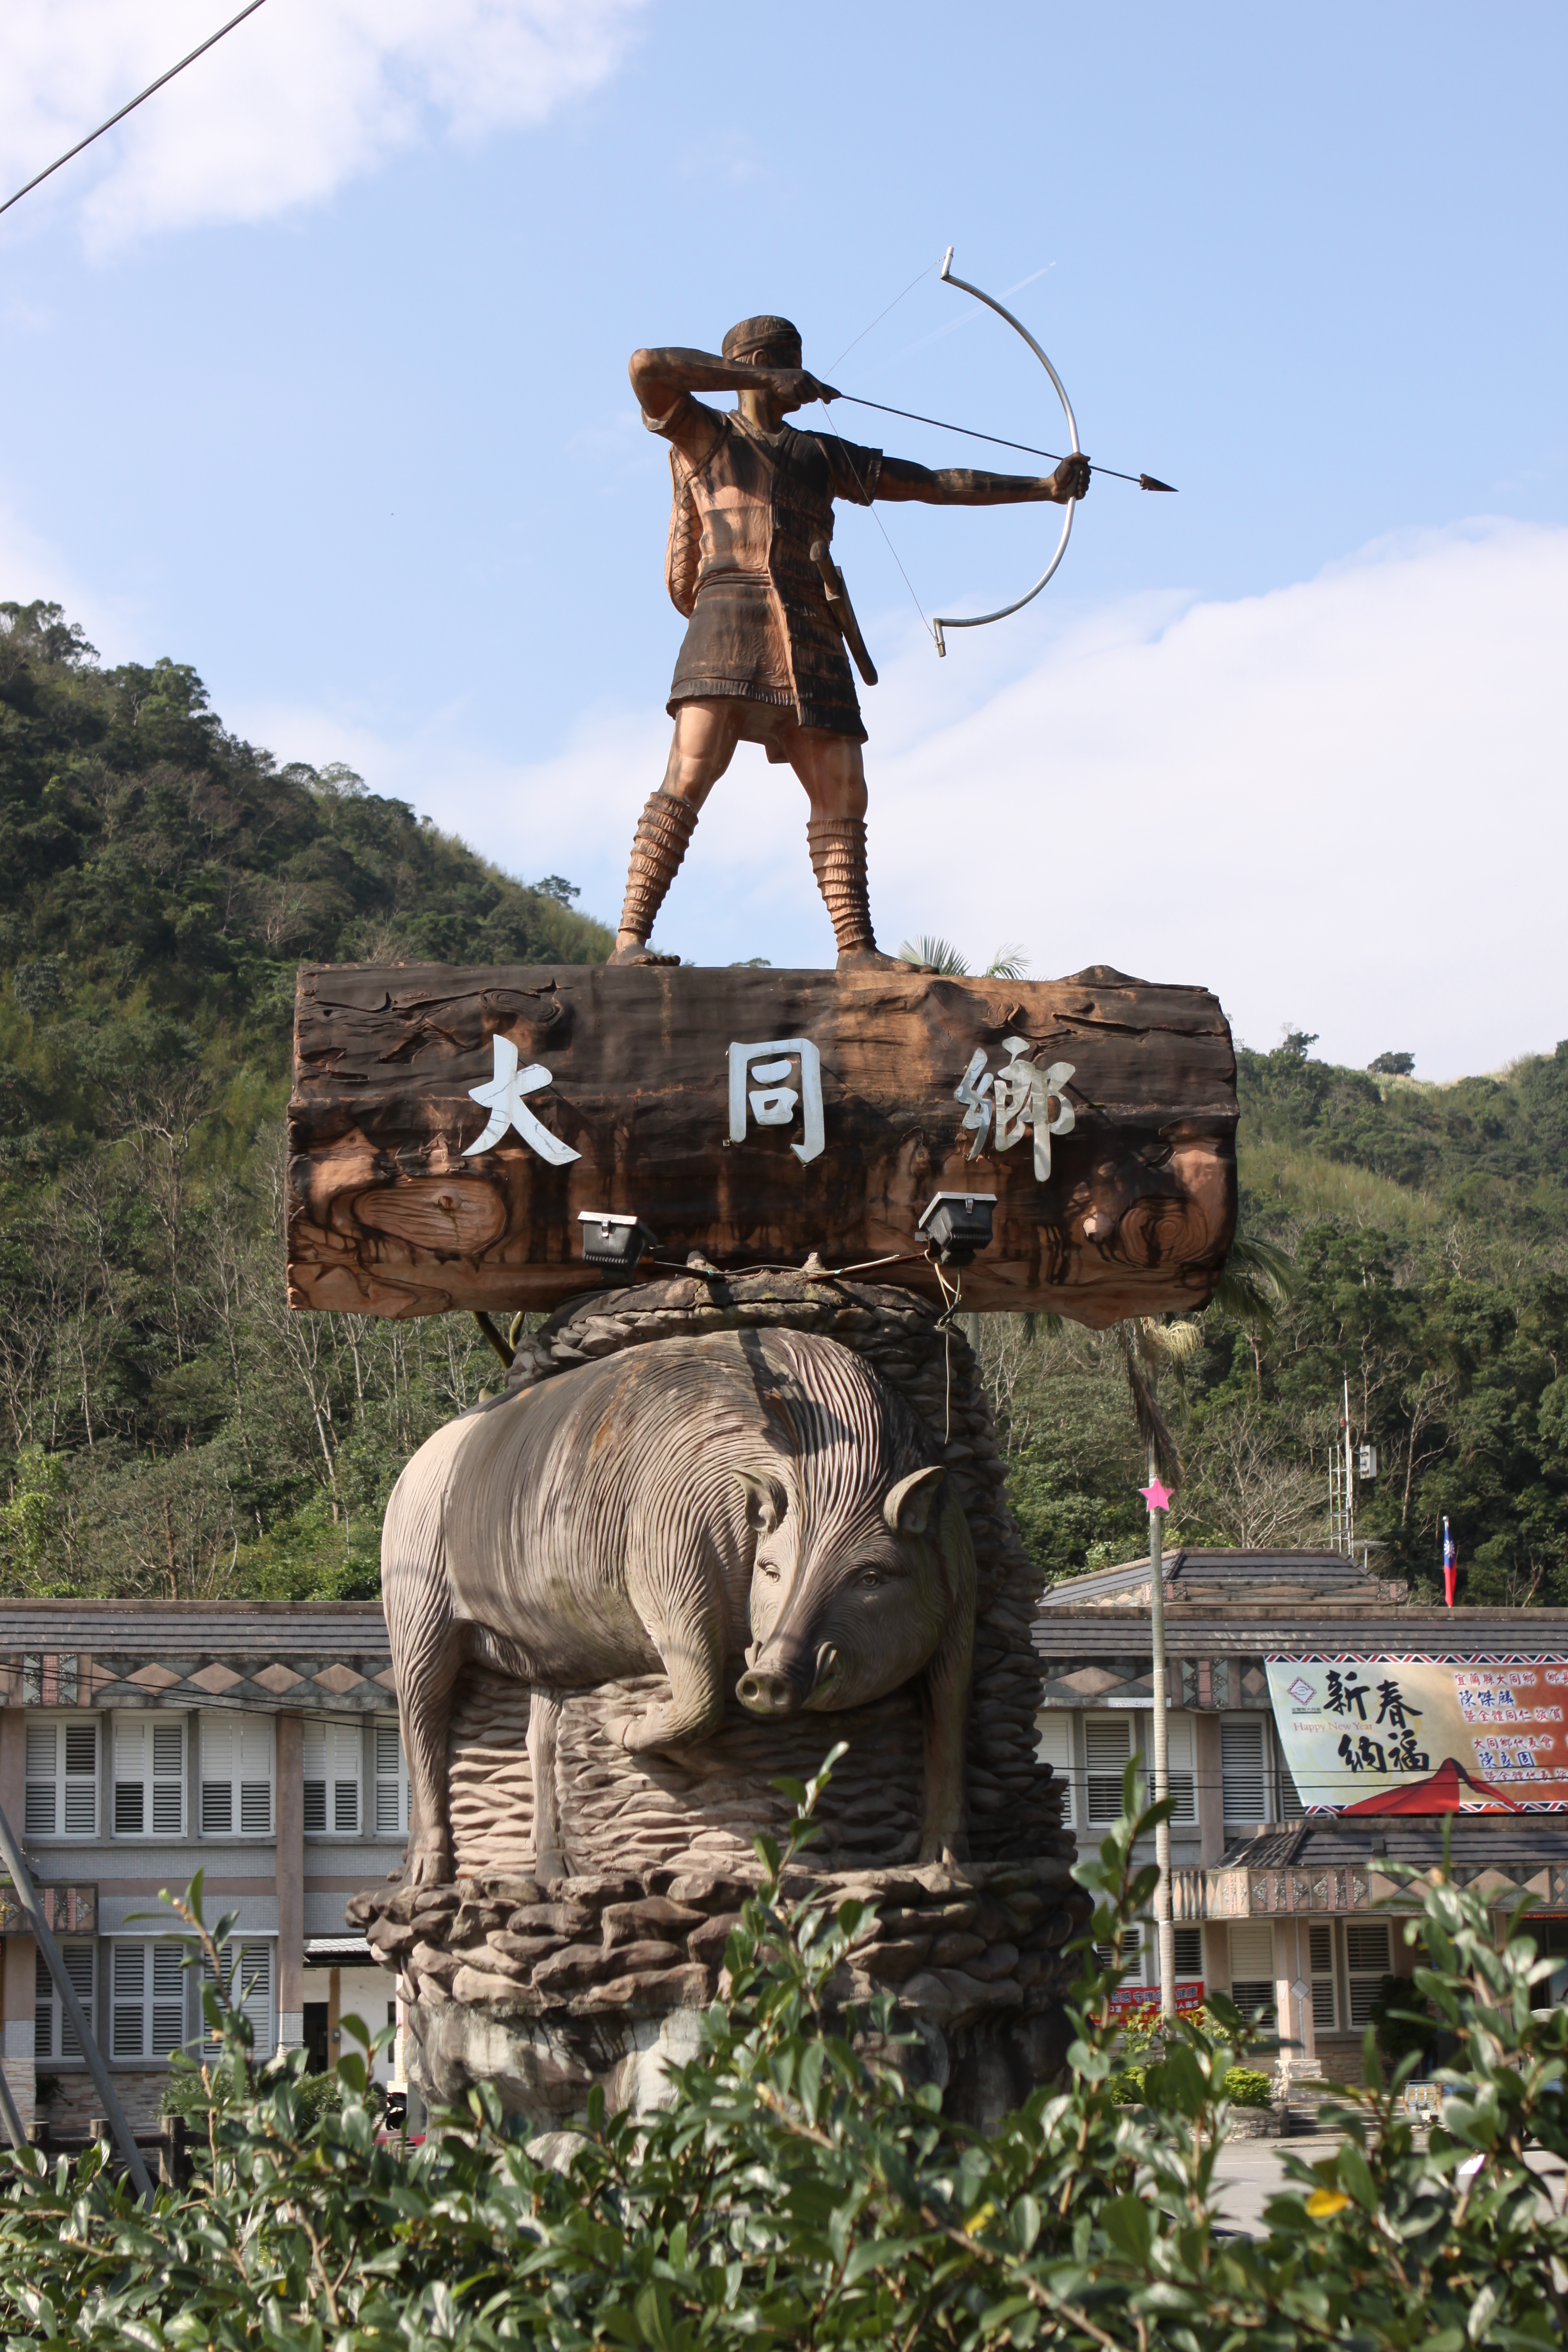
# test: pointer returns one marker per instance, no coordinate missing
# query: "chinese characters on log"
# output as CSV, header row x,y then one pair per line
x,y
778,1082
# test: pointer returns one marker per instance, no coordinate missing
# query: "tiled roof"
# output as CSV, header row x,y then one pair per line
x,y
323,1656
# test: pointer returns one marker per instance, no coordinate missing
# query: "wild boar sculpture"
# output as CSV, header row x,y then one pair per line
x,y
755,1506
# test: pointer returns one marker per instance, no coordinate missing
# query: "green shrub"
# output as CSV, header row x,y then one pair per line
x,y
797,2192
1127,2088
192,2091
1243,2086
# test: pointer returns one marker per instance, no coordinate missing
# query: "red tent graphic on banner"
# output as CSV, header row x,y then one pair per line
x,y
1450,1789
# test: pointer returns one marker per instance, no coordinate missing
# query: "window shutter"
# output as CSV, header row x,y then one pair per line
x,y
1189,1944
1054,1746
149,1775
236,1775
130,1977
1367,1962
1320,1948
1252,1968
1180,1770
168,1998
169,1776
248,1972
54,2035
130,1775
1241,1770
255,1744
1132,1956
1290,1806
80,1809
79,1960
43,2010
1109,1742
217,1774
332,1776
61,1777
391,1782
256,1985
43,1747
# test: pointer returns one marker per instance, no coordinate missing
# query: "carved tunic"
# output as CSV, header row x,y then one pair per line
x,y
748,505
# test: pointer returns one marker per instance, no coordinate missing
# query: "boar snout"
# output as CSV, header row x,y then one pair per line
x,y
783,1681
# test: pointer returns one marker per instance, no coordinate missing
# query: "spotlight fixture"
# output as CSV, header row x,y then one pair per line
x,y
613,1243
957,1224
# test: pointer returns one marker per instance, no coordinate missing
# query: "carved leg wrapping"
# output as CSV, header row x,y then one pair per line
x,y
837,846
664,830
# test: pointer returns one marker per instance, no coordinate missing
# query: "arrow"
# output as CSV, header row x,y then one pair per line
x,y
1144,481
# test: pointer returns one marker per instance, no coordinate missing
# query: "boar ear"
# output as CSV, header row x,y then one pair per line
x,y
910,1503
766,1502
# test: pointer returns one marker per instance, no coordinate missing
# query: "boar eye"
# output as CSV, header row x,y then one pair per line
x,y
869,1578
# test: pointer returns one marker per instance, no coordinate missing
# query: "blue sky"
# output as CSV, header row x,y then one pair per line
x,y
317,381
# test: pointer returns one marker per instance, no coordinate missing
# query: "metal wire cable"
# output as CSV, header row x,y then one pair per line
x,y
199,51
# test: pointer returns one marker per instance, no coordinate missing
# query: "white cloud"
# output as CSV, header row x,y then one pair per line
x,y
299,99
1337,804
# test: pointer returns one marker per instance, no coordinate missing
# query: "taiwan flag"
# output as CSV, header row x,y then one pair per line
x,y
1450,1563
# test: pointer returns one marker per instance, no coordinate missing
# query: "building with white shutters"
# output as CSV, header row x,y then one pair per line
x,y
1275,1903
142,1742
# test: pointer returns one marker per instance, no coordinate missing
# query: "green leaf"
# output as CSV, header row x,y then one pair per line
x,y
1129,2223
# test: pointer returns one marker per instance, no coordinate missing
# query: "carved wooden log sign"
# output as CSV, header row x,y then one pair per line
x,y
449,1127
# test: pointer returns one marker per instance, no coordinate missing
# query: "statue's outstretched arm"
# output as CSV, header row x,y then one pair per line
x,y
967,485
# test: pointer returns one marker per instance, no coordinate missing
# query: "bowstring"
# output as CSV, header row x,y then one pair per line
x,y
893,305
882,526
844,447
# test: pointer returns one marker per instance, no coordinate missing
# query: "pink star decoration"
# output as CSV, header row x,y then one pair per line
x,y
1158,1498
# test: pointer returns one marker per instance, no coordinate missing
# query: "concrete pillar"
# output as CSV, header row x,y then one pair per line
x,y
334,2017
16,1996
1293,1992
291,1881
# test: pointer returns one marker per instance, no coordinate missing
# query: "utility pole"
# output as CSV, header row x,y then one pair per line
x,y
1158,1499
1342,1486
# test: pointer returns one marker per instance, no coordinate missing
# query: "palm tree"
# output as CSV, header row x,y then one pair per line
x,y
1255,1281
931,954
1146,1345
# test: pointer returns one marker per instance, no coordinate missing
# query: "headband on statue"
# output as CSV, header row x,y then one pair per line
x,y
753,334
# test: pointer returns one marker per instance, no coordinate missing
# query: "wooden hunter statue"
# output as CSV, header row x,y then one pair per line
x,y
764,660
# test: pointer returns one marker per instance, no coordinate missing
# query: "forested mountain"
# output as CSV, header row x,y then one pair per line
x,y
1429,1229
167,1426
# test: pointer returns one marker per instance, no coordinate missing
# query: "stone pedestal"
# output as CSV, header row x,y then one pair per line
x,y
546,1989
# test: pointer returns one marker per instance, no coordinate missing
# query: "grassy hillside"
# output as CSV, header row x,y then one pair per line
x,y
166,1425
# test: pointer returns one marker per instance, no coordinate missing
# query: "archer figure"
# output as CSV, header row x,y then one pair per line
x,y
764,660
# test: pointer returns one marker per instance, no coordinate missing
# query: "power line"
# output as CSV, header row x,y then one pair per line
x,y
212,38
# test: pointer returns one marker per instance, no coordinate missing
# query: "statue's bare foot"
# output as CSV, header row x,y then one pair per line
x,y
870,960
638,952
